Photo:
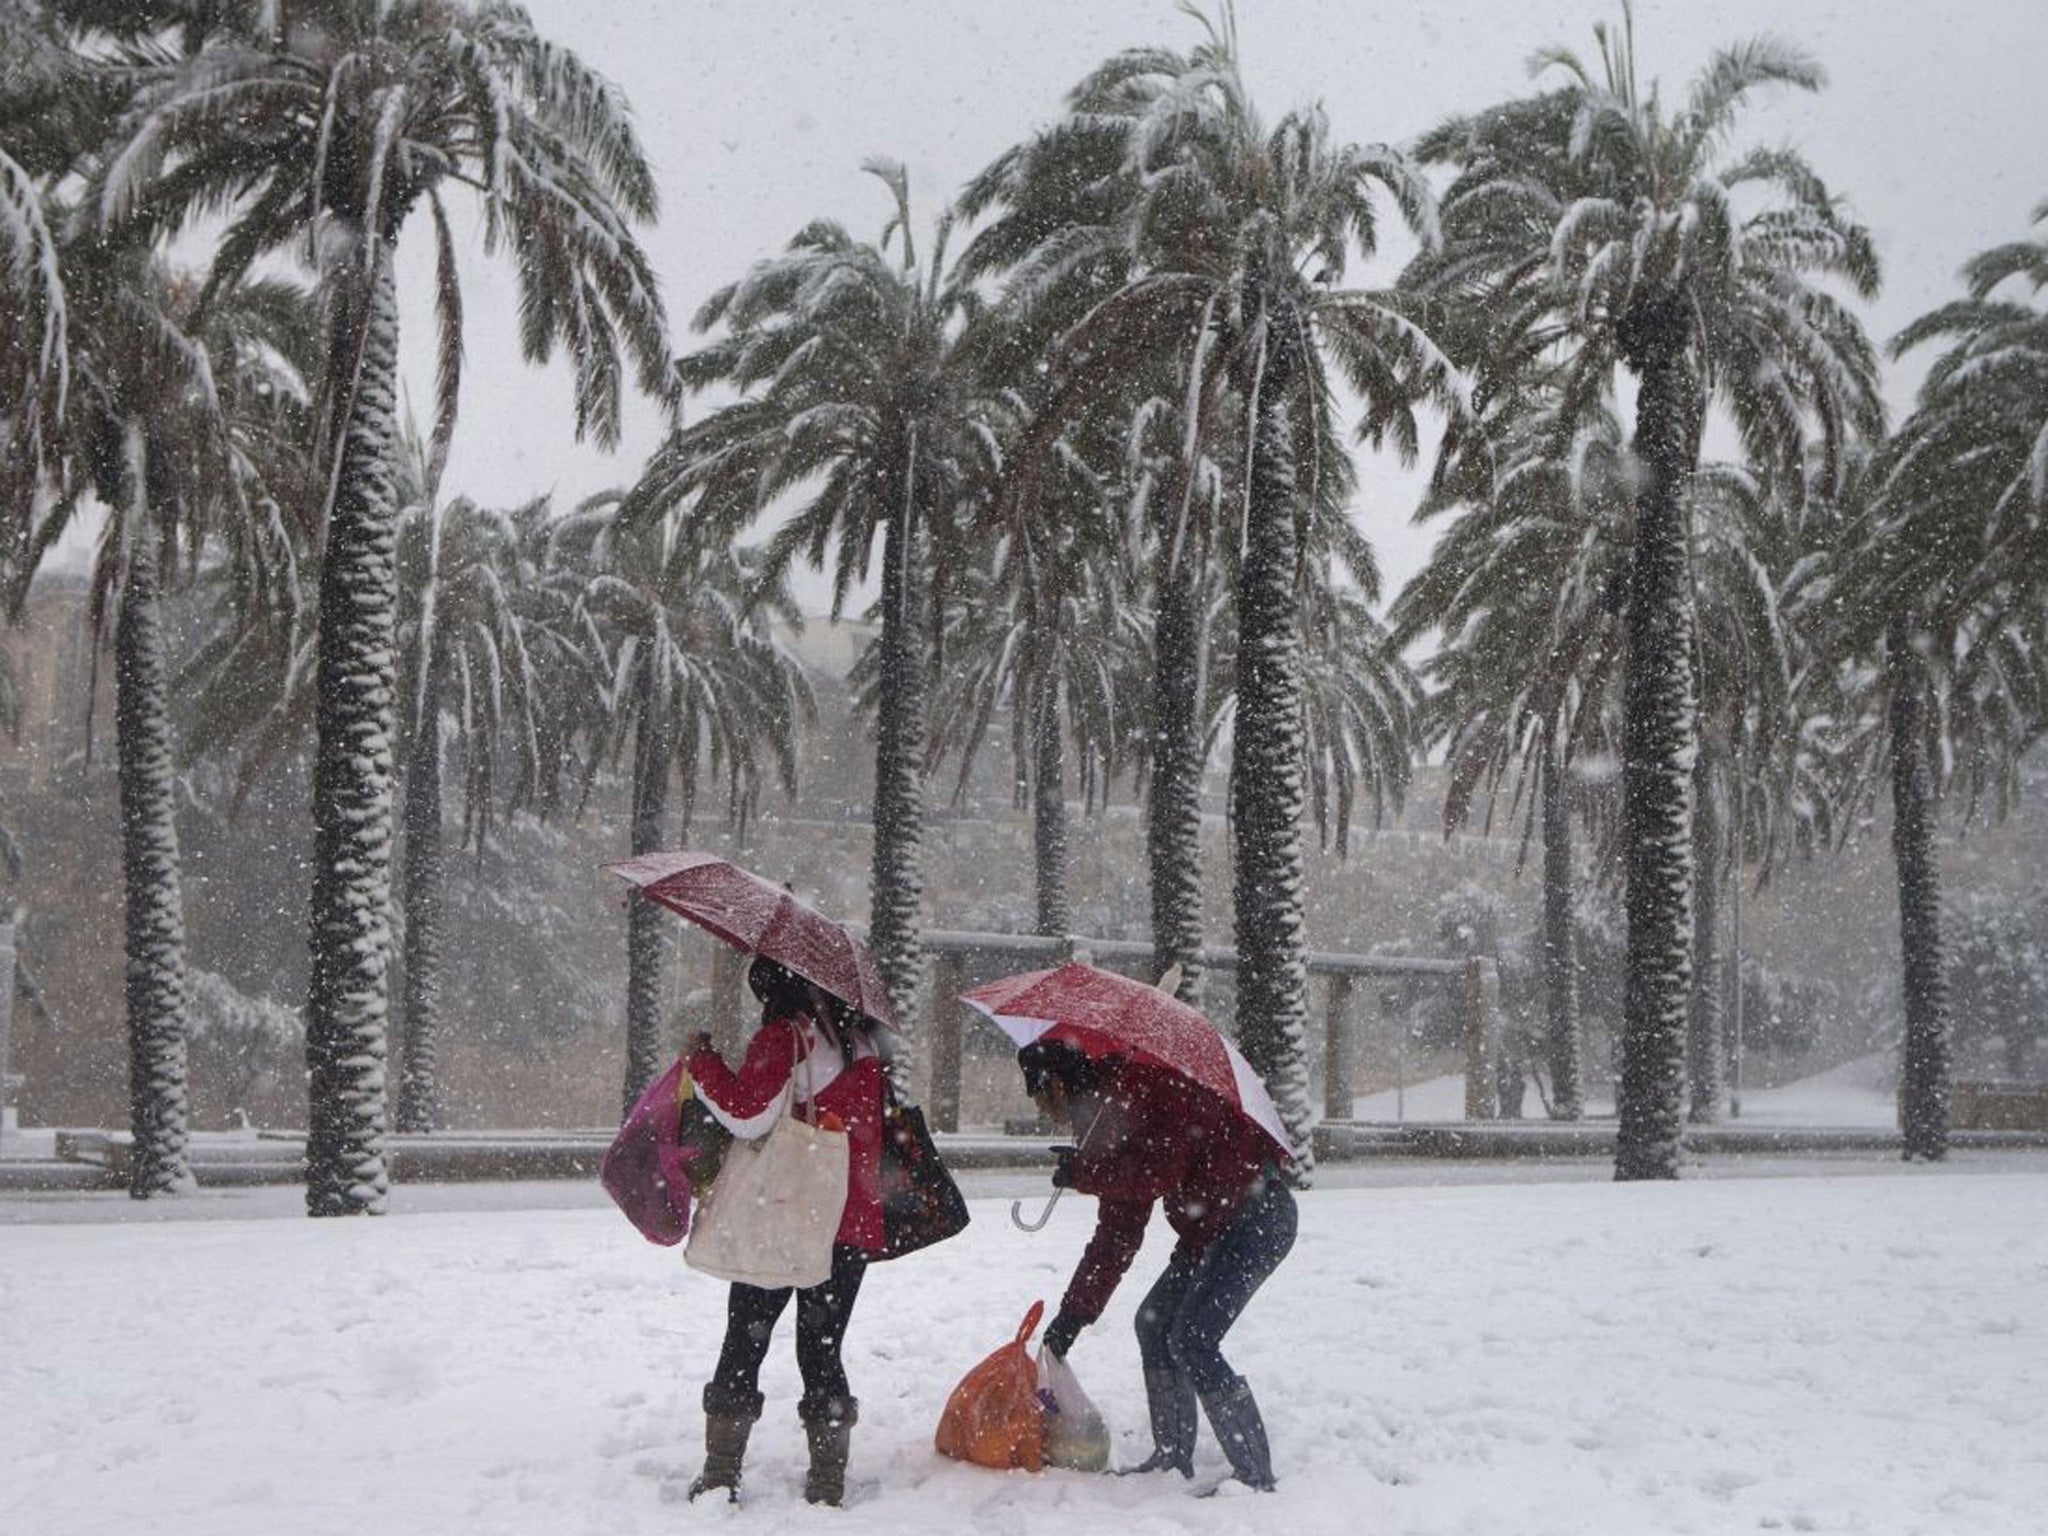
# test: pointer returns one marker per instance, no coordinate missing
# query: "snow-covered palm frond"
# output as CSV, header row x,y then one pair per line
x,y
1729,78
33,329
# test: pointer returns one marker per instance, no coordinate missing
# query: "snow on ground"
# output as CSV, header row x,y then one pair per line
x,y
1858,1093
1853,1355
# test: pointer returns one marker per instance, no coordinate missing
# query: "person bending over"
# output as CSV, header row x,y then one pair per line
x,y
1145,1134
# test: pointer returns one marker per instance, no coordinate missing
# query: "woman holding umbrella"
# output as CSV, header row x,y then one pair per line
x,y
1163,1110
821,1000
816,1047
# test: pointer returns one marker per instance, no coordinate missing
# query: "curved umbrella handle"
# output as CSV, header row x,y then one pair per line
x,y
1017,1211
1017,1206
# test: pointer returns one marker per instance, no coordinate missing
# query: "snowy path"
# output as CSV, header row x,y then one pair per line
x,y
1858,1355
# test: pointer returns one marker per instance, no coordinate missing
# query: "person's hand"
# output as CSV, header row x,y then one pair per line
x,y
1063,1166
695,1041
1060,1334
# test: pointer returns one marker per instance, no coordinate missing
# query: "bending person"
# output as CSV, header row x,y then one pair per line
x,y
1146,1134
806,1039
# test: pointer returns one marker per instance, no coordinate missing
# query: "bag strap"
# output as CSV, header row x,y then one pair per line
x,y
799,1051
1030,1324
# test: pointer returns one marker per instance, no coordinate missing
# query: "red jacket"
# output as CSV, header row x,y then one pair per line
x,y
1159,1138
826,1084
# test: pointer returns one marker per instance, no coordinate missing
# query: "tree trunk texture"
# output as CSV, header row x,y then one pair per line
x,y
420,1107
1703,1048
348,996
1049,804
1657,754
1924,1074
1560,943
1173,800
1266,782
652,754
158,1102
897,873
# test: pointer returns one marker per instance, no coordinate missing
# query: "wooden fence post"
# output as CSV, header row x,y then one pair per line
x,y
943,1099
8,1082
1482,993
1339,1050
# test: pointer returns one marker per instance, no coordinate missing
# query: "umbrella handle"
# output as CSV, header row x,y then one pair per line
x,y
1017,1206
1017,1212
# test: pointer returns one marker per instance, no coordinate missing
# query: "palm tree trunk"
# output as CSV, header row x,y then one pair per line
x,y
1560,941
1049,795
420,1106
1266,780
896,893
1924,1085
1703,1047
652,750
1173,801
348,995
158,1106
1657,749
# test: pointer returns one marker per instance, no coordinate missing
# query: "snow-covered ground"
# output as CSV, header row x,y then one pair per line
x,y
1858,1093
1856,1355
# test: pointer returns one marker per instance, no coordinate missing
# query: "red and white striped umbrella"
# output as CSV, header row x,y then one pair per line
x,y
758,917
1100,1014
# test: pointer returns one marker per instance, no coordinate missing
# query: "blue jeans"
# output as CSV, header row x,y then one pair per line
x,y
1183,1318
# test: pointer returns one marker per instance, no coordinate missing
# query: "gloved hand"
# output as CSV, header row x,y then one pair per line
x,y
1063,1167
1060,1334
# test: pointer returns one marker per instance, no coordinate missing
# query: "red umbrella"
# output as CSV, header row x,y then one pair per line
x,y
1101,1014
758,917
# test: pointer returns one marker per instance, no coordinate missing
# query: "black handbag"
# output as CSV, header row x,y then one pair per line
x,y
921,1205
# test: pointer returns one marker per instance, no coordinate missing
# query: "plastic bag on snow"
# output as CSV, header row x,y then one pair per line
x,y
1075,1435
994,1417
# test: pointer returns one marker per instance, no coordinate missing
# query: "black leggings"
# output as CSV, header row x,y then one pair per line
x,y
822,1312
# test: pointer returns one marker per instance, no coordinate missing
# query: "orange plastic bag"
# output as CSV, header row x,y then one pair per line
x,y
994,1418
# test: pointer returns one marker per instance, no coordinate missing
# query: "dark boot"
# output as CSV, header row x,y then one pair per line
x,y
828,1431
727,1423
1234,1415
1170,1398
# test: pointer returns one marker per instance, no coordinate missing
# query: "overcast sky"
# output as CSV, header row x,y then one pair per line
x,y
758,113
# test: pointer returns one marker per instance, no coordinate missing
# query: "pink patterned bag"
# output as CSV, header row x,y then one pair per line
x,y
646,1168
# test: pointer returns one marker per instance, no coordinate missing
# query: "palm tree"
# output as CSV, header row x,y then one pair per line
x,y
863,396
326,133
1047,625
697,677
1059,206
1235,240
1948,577
170,414
1067,662
1756,779
1593,219
1524,593
1359,699
464,672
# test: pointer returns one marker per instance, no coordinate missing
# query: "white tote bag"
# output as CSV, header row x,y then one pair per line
x,y
775,1206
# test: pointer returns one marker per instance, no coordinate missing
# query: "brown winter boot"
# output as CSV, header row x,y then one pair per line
x,y
726,1428
828,1431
